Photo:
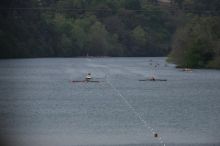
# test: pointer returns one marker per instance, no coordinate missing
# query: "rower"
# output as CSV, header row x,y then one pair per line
x,y
88,77
152,78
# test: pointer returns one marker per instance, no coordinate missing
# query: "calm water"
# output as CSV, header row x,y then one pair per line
x,y
39,105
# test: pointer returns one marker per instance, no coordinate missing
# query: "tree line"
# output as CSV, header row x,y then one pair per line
x,y
188,31
196,42
66,28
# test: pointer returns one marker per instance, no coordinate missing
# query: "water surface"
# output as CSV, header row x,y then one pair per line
x,y
39,105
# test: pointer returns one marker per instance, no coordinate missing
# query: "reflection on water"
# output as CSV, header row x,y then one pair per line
x,y
40,105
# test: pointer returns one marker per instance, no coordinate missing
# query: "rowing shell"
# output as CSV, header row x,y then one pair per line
x,y
84,81
153,80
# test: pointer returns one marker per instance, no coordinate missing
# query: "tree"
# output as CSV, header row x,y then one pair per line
x,y
139,36
98,40
195,44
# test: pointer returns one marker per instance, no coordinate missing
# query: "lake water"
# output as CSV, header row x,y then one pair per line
x,y
39,105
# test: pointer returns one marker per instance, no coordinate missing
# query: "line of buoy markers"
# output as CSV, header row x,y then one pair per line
x,y
156,135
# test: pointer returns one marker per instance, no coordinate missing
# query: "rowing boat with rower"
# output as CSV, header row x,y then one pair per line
x,y
153,80
85,81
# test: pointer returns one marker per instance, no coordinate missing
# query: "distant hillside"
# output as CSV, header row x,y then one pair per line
x,y
196,41
69,28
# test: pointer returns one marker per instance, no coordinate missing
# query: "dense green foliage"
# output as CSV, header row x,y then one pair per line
x,y
196,43
66,28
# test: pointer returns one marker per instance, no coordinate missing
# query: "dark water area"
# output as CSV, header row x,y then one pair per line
x,y
39,105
